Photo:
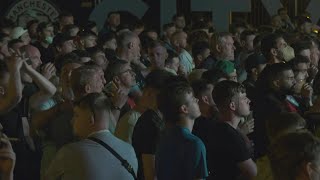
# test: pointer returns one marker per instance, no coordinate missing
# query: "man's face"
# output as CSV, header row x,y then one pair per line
x,y
276,22
315,54
81,121
242,105
33,30
158,56
127,77
114,20
182,40
193,106
90,41
66,20
97,83
306,53
180,22
227,48
35,57
25,38
287,81
170,31
68,47
74,31
47,32
136,49
280,44
153,35
301,70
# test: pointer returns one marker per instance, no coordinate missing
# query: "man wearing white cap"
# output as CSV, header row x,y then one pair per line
x,y
22,34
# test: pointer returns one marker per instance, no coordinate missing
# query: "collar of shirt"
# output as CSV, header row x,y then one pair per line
x,y
98,132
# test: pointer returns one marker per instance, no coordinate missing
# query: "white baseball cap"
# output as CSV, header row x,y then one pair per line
x,y
17,32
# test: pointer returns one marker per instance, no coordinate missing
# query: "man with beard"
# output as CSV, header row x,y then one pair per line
x,y
276,49
275,87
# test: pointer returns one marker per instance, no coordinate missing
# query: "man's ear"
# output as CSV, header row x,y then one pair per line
x,y
199,57
130,45
218,48
276,83
232,105
274,51
87,88
184,109
243,43
254,71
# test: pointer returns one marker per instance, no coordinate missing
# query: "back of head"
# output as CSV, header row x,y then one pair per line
x,y
292,152
200,87
224,92
156,79
268,42
214,76
172,97
300,46
282,123
82,76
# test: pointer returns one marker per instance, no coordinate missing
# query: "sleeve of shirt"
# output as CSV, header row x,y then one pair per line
x,y
238,146
57,166
145,136
200,170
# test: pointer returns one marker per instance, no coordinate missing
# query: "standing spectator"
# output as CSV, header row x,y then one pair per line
x,y
180,154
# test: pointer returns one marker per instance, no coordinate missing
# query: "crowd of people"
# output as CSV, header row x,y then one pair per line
x,y
128,102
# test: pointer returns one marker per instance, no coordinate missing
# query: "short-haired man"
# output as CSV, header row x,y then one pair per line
x,y
157,54
112,22
179,21
87,39
222,45
200,52
180,154
179,42
224,163
65,18
275,48
168,30
45,34
87,159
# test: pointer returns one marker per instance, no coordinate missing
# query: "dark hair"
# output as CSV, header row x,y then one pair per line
x,y
90,25
283,122
64,14
137,25
282,9
268,42
43,25
86,33
31,22
199,87
93,51
2,36
156,79
289,153
300,46
174,17
172,97
171,55
12,42
114,68
298,60
225,91
246,33
213,75
113,12
167,26
199,47
105,38
81,53
67,28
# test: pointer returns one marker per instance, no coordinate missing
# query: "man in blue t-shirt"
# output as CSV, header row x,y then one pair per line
x,y
180,154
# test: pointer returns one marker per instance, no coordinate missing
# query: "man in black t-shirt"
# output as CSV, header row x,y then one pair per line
x,y
228,155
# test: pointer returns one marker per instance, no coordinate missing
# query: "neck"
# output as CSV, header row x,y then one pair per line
x,y
186,123
206,111
46,45
230,118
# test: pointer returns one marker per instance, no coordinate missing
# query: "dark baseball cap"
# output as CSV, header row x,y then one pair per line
x,y
254,60
60,38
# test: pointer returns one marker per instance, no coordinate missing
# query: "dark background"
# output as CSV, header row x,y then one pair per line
x,y
82,9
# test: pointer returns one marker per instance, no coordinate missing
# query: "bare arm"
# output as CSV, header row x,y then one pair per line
x,y
47,89
14,91
148,164
248,169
